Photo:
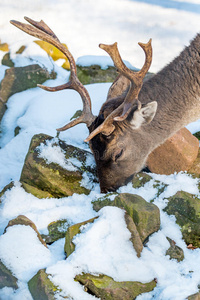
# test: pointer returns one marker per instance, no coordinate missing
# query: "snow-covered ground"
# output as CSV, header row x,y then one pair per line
x,y
82,25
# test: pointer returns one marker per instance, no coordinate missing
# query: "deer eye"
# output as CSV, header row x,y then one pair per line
x,y
118,155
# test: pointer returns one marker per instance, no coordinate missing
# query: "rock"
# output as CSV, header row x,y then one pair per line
x,y
94,74
177,154
6,277
22,78
195,168
135,237
186,208
140,179
7,61
45,180
41,287
103,201
70,234
57,230
106,288
23,220
194,297
54,52
174,251
7,187
2,109
146,216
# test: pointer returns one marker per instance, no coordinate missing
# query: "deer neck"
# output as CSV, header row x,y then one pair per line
x,y
176,88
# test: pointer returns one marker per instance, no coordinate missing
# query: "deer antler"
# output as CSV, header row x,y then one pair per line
x,y
136,79
43,32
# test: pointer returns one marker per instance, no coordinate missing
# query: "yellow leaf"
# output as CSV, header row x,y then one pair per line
x,y
54,52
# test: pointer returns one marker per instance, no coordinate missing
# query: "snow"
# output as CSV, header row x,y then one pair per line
x,y
102,246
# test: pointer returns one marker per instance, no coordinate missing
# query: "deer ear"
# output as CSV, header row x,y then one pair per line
x,y
144,115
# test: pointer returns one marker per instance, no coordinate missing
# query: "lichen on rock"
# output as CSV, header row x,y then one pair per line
x,y
44,178
106,288
186,208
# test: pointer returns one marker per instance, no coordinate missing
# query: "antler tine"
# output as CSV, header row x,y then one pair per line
x,y
136,79
43,32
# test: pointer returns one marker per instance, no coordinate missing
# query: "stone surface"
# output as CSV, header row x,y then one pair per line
x,y
186,208
23,220
70,234
57,230
135,237
106,288
7,61
177,154
140,179
103,201
174,251
7,187
195,168
41,287
22,78
6,278
146,216
44,179
94,74
2,109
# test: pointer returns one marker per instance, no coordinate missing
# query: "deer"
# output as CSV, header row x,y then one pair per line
x,y
137,116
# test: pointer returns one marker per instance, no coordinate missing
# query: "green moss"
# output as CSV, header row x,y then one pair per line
x,y
6,277
186,208
41,287
146,216
103,201
57,230
51,179
106,288
140,179
94,74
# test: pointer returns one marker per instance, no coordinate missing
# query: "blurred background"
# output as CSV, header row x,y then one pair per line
x,y
83,24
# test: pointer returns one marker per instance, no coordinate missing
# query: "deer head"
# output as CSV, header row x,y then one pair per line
x,y
116,137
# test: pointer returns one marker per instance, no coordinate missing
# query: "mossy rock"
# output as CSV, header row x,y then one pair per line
x,y
135,236
140,179
174,251
70,234
195,168
41,287
105,288
94,74
44,179
57,230
7,61
7,279
3,108
146,216
22,78
54,52
186,208
23,220
6,188
103,201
